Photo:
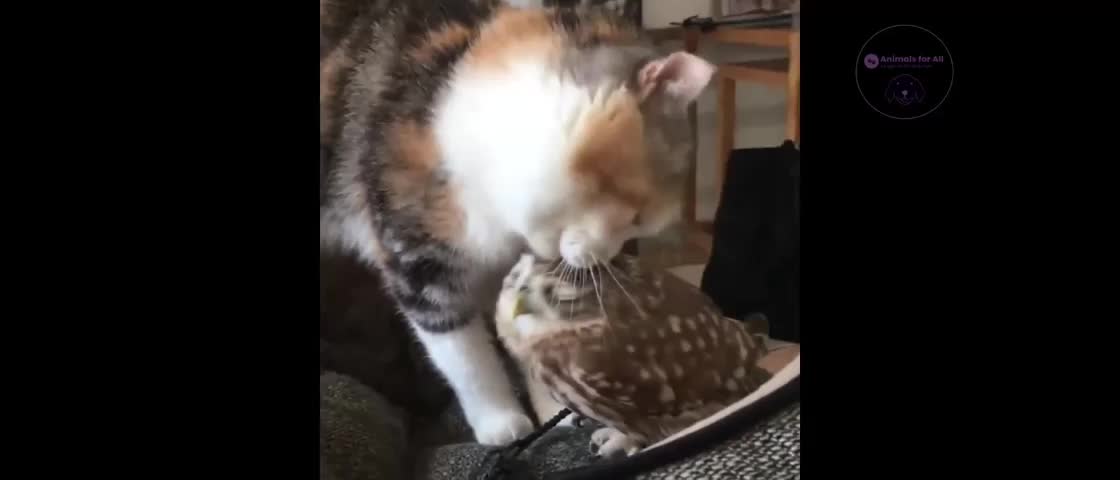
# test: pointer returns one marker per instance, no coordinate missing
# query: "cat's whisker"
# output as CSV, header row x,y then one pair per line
x,y
571,304
602,286
610,270
595,258
579,288
595,284
563,277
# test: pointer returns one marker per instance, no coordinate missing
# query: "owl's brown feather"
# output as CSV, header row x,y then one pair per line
x,y
644,354
643,385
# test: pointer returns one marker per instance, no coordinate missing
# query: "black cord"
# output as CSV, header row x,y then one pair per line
x,y
500,468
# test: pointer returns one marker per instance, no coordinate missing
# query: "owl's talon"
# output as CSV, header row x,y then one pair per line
x,y
600,436
611,442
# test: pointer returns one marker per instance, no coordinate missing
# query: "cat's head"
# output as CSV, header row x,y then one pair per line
x,y
626,165
597,125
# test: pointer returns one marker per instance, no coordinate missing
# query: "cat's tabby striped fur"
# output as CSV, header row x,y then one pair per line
x,y
456,134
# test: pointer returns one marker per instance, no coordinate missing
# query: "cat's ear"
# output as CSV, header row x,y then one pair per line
x,y
678,77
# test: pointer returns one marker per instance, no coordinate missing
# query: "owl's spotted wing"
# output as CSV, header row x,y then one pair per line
x,y
647,377
597,373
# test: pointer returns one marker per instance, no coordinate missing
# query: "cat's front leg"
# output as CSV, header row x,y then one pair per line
x,y
467,358
544,406
441,301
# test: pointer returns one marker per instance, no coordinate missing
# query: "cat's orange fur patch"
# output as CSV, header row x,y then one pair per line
x,y
335,65
513,33
610,148
440,40
411,181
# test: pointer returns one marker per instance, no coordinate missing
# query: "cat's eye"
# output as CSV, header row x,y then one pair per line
x,y
548,292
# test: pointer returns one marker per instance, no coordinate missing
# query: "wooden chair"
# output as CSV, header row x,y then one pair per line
x,y
782,73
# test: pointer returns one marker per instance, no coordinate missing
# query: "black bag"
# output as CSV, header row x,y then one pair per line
x,y
755,261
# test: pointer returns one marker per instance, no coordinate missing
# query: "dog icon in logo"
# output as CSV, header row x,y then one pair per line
x,y
905,90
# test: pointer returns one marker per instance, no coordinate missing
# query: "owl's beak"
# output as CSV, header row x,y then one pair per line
x,y
520,305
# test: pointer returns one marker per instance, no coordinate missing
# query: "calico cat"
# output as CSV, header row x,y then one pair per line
x,y
457,134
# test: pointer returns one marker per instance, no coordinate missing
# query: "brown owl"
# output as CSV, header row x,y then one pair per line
x,y
644,354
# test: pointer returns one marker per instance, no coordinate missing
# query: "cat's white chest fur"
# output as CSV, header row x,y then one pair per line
x,y
504,139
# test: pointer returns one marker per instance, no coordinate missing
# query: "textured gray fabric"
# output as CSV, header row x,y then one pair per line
x,y
362,436
558,449
771,450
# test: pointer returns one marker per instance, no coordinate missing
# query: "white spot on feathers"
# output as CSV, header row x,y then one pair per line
x,y
666,395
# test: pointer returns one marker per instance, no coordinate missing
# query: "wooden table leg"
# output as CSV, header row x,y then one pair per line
x,y
691,44
726,108
793,90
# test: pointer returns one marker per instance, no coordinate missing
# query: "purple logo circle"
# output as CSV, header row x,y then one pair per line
x,y
911,82
871,61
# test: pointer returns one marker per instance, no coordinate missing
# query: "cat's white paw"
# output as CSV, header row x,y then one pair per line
x,y
502,428
608,442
